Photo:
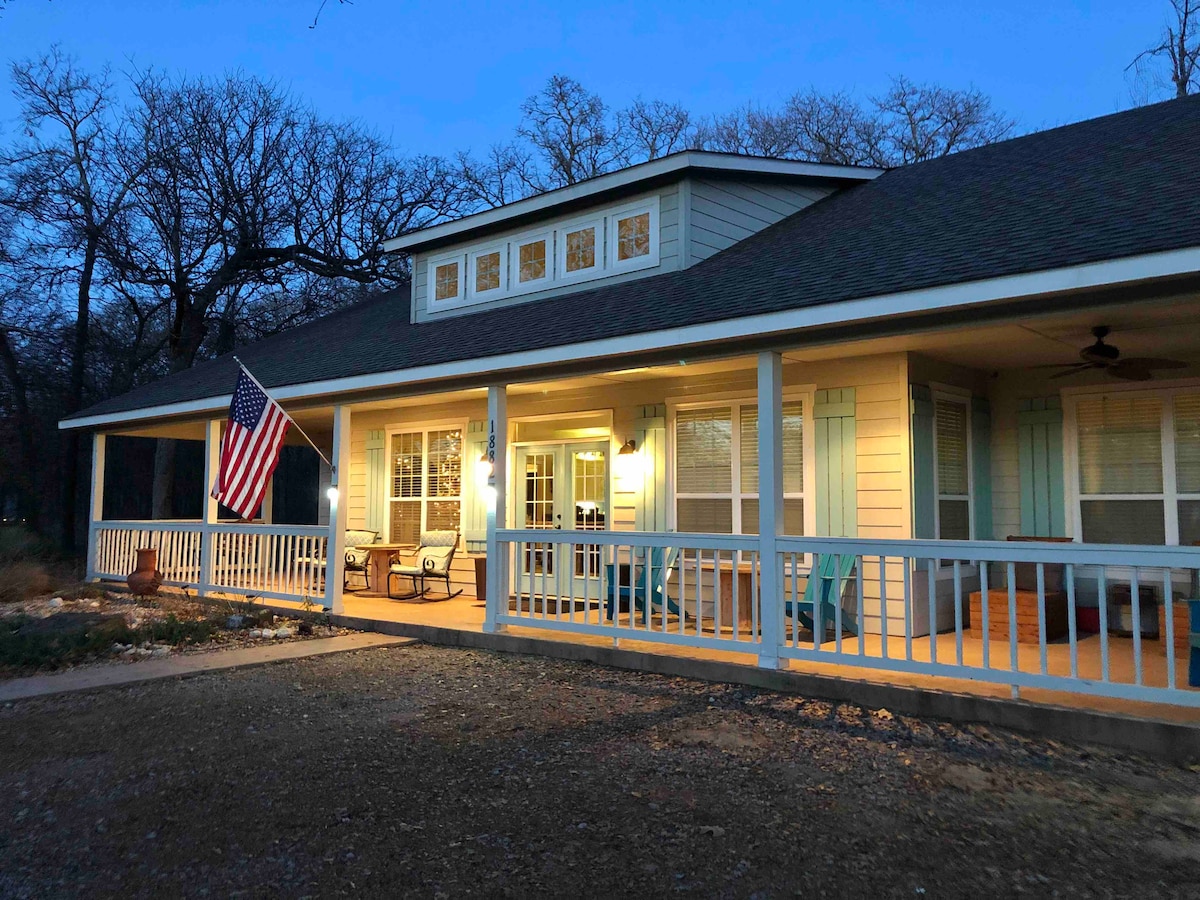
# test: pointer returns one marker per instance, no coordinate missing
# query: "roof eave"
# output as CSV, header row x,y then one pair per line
x,y
628,179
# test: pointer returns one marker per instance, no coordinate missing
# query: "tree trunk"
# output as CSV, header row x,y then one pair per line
x,y
28,507
183,354
71,443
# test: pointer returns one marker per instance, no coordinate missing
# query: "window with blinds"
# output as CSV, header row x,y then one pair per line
x,y
426,483
716,468
1139,467
952,481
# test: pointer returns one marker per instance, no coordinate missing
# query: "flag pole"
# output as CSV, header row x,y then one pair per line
x,y
303,434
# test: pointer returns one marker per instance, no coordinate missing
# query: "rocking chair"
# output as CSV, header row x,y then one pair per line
x,y
431,560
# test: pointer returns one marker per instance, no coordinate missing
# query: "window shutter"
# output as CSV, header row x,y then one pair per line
x,y
650,432
981,453
376,462
474,510
1040,463
836,463
921,405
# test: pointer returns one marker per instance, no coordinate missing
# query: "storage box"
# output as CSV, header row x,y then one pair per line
x,y
1179,612
1027,615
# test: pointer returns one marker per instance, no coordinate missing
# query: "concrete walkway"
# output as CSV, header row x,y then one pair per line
x,y
94,678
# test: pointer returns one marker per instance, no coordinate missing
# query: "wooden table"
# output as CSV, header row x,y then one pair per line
x,y
745,591
378,556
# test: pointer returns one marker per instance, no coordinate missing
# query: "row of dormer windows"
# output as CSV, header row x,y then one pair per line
x,y
601,243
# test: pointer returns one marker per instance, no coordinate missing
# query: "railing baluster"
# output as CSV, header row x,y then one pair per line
x,y
1072,625
958,617
985,625
1136,602
883,611
1041,610
1169,626
931,578
909,564
1013,662
1102,589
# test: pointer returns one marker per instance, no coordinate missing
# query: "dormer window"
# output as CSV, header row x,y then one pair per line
x,y
581,249
633,236
531,261
489,271
446,281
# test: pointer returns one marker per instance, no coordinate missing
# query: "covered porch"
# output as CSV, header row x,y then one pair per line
x,y
840,505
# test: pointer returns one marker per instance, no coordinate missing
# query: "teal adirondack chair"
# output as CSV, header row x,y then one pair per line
x,y
825,584
661,563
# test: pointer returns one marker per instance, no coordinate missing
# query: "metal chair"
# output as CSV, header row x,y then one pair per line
x,y
358,561
431,560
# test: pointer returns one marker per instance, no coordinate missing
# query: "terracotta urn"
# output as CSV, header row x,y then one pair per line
x,y
145,580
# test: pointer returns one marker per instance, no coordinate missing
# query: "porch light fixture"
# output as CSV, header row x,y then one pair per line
x,y
630,446
331,493
483,468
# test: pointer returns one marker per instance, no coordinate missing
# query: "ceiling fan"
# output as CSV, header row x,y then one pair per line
x,y
1107,357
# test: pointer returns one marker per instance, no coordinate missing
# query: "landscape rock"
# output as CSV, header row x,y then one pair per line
x,y
255,632
55,603
283,632
160,652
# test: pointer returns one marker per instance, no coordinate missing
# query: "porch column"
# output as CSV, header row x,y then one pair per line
x,y
770,504
97,508
212,462
339,485
497,516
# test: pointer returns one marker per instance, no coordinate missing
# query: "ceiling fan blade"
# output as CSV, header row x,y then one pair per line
x,y
1130,373
1078,365
1152,362
1074,370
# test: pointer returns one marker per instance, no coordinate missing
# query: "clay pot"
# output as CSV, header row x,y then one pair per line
x,y
145,580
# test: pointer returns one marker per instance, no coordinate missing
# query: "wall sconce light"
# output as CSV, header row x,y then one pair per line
x,y
332,493
630,446
483,468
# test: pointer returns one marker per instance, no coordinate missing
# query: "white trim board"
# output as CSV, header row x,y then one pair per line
x,y
967,294
667,165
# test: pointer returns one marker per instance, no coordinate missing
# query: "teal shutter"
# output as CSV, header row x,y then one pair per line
x,y
650,433
836,463
1040,460
921,405
474,510
981,458
376,454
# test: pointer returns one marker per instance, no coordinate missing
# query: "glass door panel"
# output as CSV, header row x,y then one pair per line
x,y
539,494
589,500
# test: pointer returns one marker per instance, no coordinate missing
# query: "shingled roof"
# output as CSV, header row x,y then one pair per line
x,y
1117,186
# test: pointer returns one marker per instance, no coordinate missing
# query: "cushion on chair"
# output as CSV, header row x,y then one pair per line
x,y
397,569
439,539
435,560
355,538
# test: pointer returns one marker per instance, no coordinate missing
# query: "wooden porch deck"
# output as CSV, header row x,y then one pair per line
x,y
465,613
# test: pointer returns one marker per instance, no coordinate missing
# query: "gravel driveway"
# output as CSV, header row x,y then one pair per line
x,y
433,772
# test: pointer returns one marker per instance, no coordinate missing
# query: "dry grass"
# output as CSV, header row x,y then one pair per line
x,y
23,580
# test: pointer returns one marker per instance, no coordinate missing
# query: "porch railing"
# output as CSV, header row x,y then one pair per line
x,y
990,611
271,561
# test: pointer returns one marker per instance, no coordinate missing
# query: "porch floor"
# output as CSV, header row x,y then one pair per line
x,y
465,613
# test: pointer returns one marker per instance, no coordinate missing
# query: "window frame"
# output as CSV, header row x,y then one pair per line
x,y
802,394
432,265
515,286
1170,495
465,472
962,398
650,260
562,276
476,296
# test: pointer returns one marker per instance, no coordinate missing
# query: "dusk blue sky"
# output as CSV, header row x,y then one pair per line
x,y
437,77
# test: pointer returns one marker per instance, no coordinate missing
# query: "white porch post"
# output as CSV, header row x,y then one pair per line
x,y
99,448
212,461
770,503
339,485
497,517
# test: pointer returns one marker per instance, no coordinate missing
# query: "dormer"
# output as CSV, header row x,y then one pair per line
x,y
661,216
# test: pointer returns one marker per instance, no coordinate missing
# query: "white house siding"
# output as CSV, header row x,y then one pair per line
x,y
639,502
723,212
669,259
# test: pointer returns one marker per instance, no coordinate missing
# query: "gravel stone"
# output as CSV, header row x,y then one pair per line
x,y
435,772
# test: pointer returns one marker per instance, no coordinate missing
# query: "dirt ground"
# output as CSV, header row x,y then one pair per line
x,y
433,772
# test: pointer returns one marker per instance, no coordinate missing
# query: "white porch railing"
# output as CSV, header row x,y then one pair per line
x,y
271,561
990,611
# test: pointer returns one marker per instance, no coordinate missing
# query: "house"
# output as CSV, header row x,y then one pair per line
x,y
789,408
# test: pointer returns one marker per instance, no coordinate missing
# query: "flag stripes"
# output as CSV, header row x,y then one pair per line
x,y
250,447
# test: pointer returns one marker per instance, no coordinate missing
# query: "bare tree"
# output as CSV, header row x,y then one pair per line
x,y
246,190
750,130
66,187
654,128
927,121
570,129
506,174
1179,46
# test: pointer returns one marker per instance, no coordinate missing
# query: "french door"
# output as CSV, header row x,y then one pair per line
x,y
561,486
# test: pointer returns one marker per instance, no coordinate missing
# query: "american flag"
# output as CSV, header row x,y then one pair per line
x,y
250,447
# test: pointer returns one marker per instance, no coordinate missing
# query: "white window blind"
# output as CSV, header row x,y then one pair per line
x,y
1120,444
426,483
716,488
1187,443
951,424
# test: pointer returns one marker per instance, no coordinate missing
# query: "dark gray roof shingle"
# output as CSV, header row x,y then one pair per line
x,y
1106,188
